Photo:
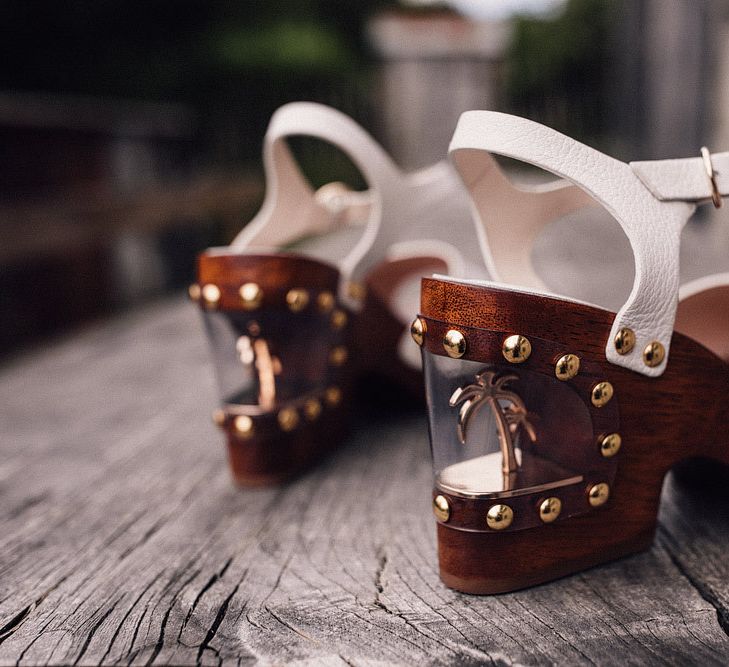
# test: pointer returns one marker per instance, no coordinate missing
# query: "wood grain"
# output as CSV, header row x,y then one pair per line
x,y
123,541
663,421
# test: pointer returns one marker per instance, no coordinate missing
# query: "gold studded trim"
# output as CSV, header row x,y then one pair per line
x,y
250,297
194,292
624,341
454,343
469,512
516,349
654,354
417,331
525,511
488,346
210,295
441,508
244,422
567,367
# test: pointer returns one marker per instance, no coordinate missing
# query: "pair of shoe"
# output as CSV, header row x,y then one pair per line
x,y
553,421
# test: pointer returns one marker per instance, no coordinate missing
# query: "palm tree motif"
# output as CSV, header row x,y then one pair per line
x,y
507,407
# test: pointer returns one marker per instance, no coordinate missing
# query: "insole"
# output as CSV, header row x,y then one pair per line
x,y
705,318
331,247
483,475
565,257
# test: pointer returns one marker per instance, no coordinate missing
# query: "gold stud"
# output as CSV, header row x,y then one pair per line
x,y
610,444
339,319
567,367
499,517
356,291
210,295
654,354
549,509
624,341
219,417
598,494
312,409
601,394
417,331
338,355
333,395
516,349
243,426
454,343
297,300
325,301
194,292
441,508
252,295
288,419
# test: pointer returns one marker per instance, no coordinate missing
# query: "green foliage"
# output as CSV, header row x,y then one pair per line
x,y
174,49
234,63
286,46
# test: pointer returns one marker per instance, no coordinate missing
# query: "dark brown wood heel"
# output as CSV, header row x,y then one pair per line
x,y
273,457
485,563
612,510
282,345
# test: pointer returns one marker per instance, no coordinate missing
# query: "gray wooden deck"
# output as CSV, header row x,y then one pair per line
x,y
122,539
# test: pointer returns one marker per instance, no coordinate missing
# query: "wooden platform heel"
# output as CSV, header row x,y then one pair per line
x,y
554,422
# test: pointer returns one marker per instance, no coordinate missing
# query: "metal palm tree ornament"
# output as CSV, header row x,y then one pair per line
x,y
507,407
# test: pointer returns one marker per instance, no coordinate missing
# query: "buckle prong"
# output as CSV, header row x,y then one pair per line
x,y
711,175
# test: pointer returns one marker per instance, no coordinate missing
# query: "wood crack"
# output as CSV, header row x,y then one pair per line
x,y
94,628
382,560
165,618
124,619
154,528
16,621
379,587
222,611
288,626
216,577
556,632
703,589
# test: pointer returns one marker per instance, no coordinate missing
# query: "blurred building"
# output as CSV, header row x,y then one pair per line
x,y
433,67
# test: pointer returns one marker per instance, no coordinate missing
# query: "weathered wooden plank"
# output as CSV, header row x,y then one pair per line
x,y
123,541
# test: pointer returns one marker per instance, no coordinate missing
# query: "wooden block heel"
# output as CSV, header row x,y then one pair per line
x,y
282,346
593,440
276,456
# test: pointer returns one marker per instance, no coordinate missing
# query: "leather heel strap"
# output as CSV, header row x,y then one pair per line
x,y
684,179
399,207
652,223
290,209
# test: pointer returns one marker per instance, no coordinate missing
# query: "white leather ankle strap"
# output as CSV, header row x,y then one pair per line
x,y
290,209
400,207
652,222
684,179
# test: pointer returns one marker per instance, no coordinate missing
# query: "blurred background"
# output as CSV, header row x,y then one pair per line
x,y
130,132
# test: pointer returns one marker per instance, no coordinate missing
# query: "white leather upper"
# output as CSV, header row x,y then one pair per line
x,y
402,209
683,179
651,200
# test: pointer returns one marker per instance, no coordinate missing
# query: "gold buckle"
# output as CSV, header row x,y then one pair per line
x,y
711,175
